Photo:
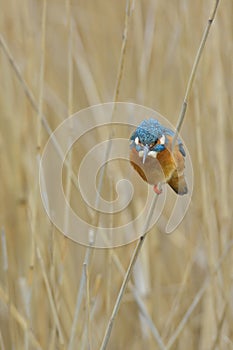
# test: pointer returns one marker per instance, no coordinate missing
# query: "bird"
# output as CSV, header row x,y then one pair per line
x,y
151,155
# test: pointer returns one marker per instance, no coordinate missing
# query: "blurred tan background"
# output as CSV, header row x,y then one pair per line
x,y
56,58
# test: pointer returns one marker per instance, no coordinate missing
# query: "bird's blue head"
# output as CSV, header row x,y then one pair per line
x,y
148,139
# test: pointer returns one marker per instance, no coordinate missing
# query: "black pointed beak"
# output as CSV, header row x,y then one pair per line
x,y
146,150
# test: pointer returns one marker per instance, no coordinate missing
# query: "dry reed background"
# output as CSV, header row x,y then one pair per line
x,y
68,55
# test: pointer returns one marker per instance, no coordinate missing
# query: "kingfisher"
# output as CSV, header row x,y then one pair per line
x,y
151,155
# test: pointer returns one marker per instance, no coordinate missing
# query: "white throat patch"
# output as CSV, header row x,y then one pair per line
x,y
152,154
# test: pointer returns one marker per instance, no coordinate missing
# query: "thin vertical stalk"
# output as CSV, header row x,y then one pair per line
x,y
193,72
148,219
128,274
39,126
88,322
41,74
50,296
128,11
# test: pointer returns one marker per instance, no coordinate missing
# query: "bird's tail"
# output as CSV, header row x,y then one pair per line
x,y
178,184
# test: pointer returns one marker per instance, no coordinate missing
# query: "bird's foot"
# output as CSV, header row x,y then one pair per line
x,y
158,190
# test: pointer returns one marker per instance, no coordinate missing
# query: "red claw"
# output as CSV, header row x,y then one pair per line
x,y
157,190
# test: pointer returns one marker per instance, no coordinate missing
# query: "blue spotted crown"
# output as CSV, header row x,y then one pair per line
x,y
150,130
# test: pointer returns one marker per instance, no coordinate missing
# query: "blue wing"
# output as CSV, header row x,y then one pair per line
x,y
171,133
